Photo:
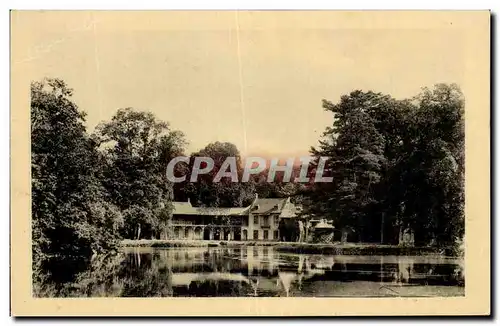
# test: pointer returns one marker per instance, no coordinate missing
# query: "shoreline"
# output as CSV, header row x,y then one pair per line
x,y
298,247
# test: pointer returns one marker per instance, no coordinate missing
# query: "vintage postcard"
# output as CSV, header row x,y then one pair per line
x,y
250,163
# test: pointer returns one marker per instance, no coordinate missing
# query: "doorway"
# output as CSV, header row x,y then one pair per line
x,y
237,235
206,234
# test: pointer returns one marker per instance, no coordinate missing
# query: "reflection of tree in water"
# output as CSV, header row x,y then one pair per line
x,y
230,273
99,279
218,272
52,276
286,279
307,268
116,276
220,288
405,270
71,278
459,272
220,260
145,277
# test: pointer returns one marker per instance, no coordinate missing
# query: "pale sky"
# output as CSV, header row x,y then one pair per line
x,y
255,79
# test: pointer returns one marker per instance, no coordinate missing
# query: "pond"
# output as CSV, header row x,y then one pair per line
x,y
262,271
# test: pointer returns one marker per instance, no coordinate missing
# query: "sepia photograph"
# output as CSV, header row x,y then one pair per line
x,y
250,155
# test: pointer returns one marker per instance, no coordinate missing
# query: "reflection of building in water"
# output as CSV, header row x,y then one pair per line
x,y
269,271
259,259
259,221
264,271
405,270
308,267
253,271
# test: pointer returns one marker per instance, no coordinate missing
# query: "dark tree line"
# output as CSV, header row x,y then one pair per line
x,y
90,191
71,217
395,164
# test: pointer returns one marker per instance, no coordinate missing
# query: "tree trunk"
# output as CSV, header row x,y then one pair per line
x,y
139,232
382,229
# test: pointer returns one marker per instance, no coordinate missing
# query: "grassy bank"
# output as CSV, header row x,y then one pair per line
x,y
294,247
193,243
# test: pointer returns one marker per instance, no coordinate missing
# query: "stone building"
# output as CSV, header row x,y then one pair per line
x,y
258,221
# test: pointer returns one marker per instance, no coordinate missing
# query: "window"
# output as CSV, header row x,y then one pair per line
x,y
276,235
256,234
266,234
255,220
276,220
266,221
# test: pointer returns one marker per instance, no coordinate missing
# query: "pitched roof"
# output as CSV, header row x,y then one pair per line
x,y
281,206
268,205
185,208
324,225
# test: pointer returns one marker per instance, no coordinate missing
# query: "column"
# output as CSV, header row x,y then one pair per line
x,y
250,227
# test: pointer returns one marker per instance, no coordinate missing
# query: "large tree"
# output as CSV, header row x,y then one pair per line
x,y
435,200
354,148
138,148
226,192
396,165
70,217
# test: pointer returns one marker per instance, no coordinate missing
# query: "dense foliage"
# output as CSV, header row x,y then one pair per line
x,y
71,217
138,148
225,193
396,165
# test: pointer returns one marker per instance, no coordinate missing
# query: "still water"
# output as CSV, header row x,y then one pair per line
x,y
263,271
